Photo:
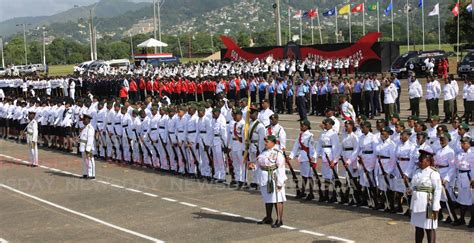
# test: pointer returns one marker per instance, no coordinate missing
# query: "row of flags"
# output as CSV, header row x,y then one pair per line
x,y
359,8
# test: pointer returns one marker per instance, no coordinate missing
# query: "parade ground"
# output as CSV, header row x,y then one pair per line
x,y
52,203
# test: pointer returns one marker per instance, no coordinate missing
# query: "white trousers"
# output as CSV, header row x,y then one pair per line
x,y
218,157
33,154
88,165
204,162
238,163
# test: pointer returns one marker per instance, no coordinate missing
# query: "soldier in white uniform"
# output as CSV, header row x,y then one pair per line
x,y
101,135
426,190
126,124
143,139
349,154
304,150
118,131
464,166
255,143
272,177
265,113
278,131
181,121
236,137
153,136
444,162
86,147
162,139
32,138
328,150
404,167
219,134
204,139
384,169
172,142
110,134
367,144
190,141
347,110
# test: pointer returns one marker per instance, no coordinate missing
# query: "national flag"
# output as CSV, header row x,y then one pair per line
x,y
312,13
297,15
306,14
358,8
420,3
469,8
330,12
372,7
388,9
455,10
345,10
407,8
435,10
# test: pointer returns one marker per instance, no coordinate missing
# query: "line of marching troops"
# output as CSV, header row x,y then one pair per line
x,y
205,140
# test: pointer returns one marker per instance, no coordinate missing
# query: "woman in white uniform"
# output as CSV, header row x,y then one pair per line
x,y
464,163
426,194
270,170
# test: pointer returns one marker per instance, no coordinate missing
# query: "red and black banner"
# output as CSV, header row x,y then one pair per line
x,y
372,55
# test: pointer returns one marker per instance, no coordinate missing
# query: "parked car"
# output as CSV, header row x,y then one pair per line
x,y
466,65
414,61
3,72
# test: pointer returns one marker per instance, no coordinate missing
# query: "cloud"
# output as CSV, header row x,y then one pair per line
x,y
27,8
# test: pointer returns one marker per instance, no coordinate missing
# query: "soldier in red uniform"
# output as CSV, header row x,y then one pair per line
x,y
123,94
199,90
133,90
149,87
142,87
191,91
156,87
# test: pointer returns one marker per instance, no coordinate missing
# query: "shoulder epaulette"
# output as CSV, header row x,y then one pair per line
x,y
434,168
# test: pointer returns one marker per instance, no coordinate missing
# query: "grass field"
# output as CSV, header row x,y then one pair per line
x,y
60,70
444,47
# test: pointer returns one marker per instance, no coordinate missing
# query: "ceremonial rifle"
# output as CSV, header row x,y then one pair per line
x,y
140,149
119,142
387,182
336,182
184,159
130,149
166,151
211,160
229,162
370,192
196,162
154,148
352,180
313,166
174,152
293,174
405,181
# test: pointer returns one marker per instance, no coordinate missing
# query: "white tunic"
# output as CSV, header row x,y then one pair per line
x,y
430,178
464,166
272,158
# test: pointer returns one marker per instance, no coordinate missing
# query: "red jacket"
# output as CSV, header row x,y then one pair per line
x,y
123,92
133,86
156,86
142,84
149,86
200,88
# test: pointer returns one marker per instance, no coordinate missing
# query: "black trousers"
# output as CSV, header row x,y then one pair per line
x,y
322,103
261,96
271,98
253,96
415,106
279,103
289,104
369,103
357,102
301,106
314,103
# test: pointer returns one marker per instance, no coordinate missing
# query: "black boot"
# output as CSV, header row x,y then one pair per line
x,y
266,221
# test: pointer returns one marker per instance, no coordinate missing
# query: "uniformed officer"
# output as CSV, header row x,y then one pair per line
x,y
464,165
191,139
204,139
349,153
278,131
426,190
219,134
270,169
404,167
86,147
305,151
444,162
236,137
328,150
385,166
255,143
368,160
32,137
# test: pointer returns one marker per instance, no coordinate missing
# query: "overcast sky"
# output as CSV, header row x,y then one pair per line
x,y
22,8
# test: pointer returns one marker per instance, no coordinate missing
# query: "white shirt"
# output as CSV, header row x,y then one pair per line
x,y
449,92
390,94
414,89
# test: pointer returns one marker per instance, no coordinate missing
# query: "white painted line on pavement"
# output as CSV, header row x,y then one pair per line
x,y
150,194
117,186
230,214
188,204
341,239
133,190
210,210
207,209
311,233
169,199
3,240
104,182
82,215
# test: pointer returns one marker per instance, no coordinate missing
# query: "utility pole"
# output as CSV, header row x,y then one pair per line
x,y
160,2
276,6
44,49
1,48
95,43
24,42
154,21
91,37
131,47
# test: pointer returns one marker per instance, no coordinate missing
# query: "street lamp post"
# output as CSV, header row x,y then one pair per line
x,y
160,3
44,49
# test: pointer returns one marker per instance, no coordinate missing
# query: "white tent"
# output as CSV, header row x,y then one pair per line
x,y
152,43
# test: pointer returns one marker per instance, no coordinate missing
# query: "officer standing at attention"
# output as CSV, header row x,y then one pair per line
x,y
270,169
86,147
32,138
426,194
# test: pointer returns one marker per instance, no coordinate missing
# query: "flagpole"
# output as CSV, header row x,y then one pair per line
x,y
312,31
289,23
337,34
319,26
301,30
439,29
350,25
391,10
459,13
408,26
363,18
378,17
423,22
